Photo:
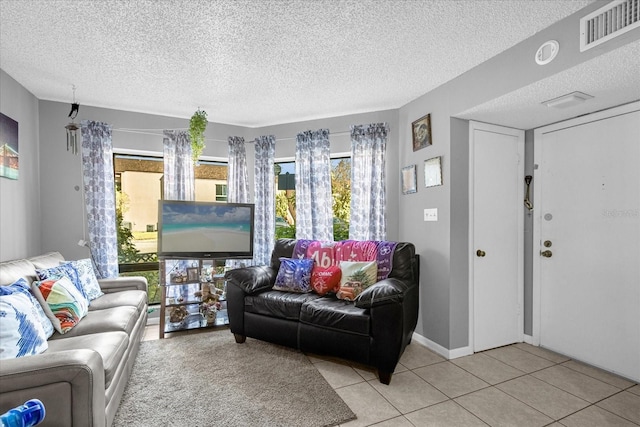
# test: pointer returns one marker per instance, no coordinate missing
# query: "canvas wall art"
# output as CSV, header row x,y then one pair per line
x,y
8,147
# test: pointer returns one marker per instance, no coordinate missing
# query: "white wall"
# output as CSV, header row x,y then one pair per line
x,y
20,199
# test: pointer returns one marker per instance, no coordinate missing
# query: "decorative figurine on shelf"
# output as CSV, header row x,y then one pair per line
x,y
178,314
209,305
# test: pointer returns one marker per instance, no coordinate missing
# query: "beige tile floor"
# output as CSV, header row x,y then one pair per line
x,y
517,385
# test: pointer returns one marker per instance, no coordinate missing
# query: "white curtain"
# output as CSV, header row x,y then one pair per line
x,y
179,181
264,200
368,194
100,199
314,203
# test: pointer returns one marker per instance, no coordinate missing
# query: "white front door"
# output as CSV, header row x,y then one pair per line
x,y
496,187
587,239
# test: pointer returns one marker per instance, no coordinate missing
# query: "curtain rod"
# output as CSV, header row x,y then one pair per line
x,y
153,132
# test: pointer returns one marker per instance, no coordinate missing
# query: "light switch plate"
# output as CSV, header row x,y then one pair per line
x,y
431,214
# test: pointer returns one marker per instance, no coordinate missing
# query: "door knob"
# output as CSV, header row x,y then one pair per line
x,y
480,253
546,254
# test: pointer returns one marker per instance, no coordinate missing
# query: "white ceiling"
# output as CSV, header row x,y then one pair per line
x,y
259,63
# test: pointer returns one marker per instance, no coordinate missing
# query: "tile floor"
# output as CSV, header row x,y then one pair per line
x,y
518,385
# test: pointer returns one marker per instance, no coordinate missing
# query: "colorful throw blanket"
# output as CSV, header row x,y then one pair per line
x,y
326,254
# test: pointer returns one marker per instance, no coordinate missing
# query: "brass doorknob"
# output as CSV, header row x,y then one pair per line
x,y
546,254
480,253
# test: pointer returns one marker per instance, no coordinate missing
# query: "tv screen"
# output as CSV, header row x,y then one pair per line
x,y
205,229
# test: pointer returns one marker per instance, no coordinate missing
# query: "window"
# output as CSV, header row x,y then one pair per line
x,y
286,198
139,186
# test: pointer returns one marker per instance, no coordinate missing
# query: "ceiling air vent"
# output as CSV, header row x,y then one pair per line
x,y
608,22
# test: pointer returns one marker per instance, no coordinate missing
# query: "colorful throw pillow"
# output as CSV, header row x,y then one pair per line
x,y
356,277
325,279
294,275
64,269
66,305
22,286
21,333
87,278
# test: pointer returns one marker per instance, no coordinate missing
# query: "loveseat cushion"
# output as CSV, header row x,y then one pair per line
x,y
115,319
283,305
110,345
10,271
137,299
332,313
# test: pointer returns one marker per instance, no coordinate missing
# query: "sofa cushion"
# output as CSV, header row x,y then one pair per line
x,y
332,313
21,333
61,301
283,305
108,320
10,271
137,299
48,260
110,345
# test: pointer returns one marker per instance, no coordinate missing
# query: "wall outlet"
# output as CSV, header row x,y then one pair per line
x,y
431,214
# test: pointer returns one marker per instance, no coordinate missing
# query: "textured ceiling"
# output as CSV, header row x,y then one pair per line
x,y
257,63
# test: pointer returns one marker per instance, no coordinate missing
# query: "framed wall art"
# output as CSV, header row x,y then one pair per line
x,y
433,172
192,274
409,179
8,147
421,131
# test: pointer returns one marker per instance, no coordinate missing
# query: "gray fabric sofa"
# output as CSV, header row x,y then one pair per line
x,y
81,377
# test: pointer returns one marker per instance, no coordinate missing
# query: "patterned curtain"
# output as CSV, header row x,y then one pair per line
x,y
179,181
314,204
237,184
100,199
264,200
368,194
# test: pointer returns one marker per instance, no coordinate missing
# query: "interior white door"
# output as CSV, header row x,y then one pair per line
x,y
496,234
588,231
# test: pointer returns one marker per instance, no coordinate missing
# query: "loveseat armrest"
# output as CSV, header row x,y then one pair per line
x,y
383,292
253,279
70,384
123,283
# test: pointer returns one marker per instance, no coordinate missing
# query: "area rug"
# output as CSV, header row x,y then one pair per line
x,y
206,379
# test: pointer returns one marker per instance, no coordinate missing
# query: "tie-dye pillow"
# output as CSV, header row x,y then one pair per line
x,y
21,333
66,305
64,269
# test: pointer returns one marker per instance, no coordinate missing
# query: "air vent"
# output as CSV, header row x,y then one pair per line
x,y
608,22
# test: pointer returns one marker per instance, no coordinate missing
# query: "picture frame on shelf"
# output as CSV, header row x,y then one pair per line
x,y
433,172
421,132
192,275
409,179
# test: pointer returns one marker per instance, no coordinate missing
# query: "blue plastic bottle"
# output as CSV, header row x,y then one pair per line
x,y
27,415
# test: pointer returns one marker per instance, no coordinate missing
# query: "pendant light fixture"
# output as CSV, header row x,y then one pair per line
x,y
72,128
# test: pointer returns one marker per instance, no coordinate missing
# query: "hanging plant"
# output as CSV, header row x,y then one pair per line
x,y
197,126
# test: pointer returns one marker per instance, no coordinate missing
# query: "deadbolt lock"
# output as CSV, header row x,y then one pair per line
x,y
546,254
547,243
480,253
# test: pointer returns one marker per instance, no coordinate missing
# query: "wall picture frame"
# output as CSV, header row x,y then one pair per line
x,y
421,132
9,159
433,172
192,274
409,179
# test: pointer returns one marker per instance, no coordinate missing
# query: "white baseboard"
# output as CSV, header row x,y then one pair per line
x,y
437,348
529,339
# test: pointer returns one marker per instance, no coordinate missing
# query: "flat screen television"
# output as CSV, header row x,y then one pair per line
x,y
214,230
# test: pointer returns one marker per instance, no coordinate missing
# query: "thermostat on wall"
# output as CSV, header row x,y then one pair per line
x,y
547,52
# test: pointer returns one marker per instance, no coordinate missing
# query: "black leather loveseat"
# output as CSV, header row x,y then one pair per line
x,y
373,330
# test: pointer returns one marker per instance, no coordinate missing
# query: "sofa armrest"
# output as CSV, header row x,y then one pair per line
x,y
252,280
70,384
383,292
123,283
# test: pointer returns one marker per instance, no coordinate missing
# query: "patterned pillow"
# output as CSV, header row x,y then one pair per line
x,y
325,279
64,269
22,286
294,275
66,305
21,333
356,277
87,278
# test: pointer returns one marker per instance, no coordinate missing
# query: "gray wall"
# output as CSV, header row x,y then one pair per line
x,y
20,199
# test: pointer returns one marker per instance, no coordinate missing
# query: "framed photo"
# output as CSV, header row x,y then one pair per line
x,y
433,172
192,274
409,179
421,130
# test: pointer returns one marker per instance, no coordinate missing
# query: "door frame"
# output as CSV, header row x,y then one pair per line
x,y
537,195
473,126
